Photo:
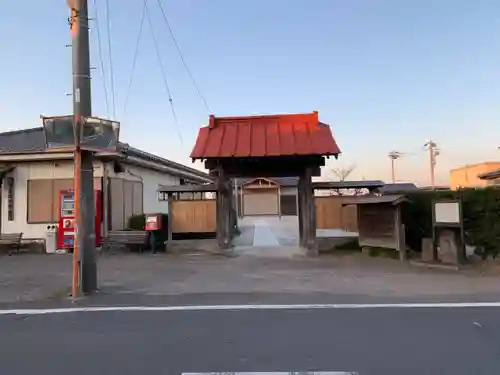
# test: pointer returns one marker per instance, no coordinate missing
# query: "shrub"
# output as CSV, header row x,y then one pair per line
x,y
481,215
136,222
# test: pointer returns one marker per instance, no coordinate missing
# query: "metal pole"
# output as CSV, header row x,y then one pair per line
x,y
393,171
432,161
433,165
84,267
394,155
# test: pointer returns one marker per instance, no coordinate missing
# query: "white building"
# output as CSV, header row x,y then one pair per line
x,y
32,177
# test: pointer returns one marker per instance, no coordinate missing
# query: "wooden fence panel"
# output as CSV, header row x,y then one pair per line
x,y
194,216
331,215
328,212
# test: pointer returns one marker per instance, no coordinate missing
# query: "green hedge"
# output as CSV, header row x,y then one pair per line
x,y
136,222
481,212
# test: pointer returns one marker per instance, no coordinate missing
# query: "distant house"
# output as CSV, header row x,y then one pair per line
x,y
469,175
398,188
32,177
491,178
267,196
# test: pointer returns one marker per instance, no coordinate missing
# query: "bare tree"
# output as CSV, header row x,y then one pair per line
x,y
343,172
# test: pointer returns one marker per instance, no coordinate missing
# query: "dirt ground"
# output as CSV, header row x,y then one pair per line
x,y
27,277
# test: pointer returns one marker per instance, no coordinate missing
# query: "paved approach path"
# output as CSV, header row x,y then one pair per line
x,y
272,236
264,235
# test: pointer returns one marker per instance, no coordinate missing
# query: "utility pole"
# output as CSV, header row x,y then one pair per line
x,y
433,152
394,155
84,263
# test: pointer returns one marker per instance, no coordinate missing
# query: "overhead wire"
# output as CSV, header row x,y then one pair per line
x,y
101,58
134,60
111,70
174,39
164,76
413,152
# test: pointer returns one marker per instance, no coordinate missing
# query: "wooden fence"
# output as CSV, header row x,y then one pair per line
x,y
194,216
330,214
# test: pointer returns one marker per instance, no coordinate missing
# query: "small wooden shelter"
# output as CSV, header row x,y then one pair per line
x,y
379,221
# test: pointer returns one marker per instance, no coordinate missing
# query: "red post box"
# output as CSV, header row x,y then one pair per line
x,y
153,222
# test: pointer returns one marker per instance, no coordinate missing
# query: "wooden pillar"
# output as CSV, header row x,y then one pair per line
x,y
300,210
399,233
311,245
219,219
105,190
223,211
279,201
170,199
228,199
231,212
307,213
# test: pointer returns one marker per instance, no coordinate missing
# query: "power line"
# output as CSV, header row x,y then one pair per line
x,y
164,76
134,61
174,39
99,48
108,28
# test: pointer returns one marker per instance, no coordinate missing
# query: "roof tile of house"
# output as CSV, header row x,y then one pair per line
x,y
33,140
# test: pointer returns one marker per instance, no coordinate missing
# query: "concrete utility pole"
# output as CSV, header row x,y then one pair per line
x,y
394,155
433,152
84,263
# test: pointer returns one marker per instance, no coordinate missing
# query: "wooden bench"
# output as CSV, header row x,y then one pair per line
x,y
125,238
11,241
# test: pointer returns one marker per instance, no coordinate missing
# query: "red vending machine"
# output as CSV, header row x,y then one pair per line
x,y
66,230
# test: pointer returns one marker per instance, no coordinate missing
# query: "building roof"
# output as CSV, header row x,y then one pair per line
x,y
33,140
282,181
265,136
468,166
374,199
492,175
398,188
365,184
205,188
26,140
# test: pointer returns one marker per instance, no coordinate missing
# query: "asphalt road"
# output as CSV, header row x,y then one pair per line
x,y
385,341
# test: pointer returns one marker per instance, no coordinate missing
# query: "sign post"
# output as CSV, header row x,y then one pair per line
x,y
448,231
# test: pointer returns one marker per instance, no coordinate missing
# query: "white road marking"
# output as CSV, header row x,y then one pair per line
x,y
249,307
274,373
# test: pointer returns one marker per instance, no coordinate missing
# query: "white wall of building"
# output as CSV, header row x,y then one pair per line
x,y
63,169
31,171
151,181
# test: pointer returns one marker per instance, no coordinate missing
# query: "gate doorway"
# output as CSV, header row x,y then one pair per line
x,y
264,147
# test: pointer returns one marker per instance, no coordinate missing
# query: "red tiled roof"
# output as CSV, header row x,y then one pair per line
x,y
260,136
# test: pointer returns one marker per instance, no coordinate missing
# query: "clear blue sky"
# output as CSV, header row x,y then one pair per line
x,y
386,74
